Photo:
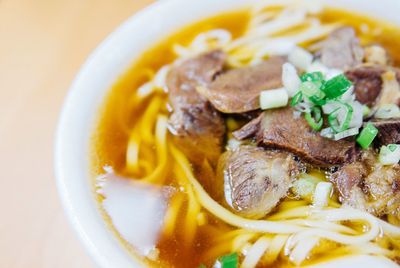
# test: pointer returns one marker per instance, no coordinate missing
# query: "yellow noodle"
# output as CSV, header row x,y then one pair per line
x,y
191,218
242,240
158,175
132,152
324,225
193,207
256,252
297,212
217,251
202,219
302,249
277,244
292,204
232,234
141,133
148,119
173,211
147,157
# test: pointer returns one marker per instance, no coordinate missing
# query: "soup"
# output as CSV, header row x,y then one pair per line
x,y
266,137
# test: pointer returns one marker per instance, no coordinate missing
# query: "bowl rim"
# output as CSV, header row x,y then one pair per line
x,y
77,117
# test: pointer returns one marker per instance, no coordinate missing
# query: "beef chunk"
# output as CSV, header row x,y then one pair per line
x,y
255,180
342,49
279,129
369,186
367,83
348,177
238,90
375,84
389,131
198,128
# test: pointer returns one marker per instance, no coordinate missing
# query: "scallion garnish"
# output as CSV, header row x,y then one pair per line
x,y
316,96
336,86
230,261
339,119
393,147
312,77
366,110
314,118
367,135
310,89
347,133
320,101
273,98
390,154
296,99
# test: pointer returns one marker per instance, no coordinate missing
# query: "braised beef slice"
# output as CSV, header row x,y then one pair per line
x,y
367,82
342,49
369,186
238,90
348,177
255,179
198,128
369,86
388,131
279,129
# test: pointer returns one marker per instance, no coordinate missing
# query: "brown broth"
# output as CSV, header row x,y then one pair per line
x,y
111,136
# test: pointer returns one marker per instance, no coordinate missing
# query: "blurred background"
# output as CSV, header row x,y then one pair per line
x,y
42,45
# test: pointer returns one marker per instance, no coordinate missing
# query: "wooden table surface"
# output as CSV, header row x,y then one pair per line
x,y
42,45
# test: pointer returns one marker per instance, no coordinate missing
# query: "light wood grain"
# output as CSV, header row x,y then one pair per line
x,y
42,45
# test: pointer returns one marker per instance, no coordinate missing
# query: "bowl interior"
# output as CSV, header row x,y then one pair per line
x,y
95,78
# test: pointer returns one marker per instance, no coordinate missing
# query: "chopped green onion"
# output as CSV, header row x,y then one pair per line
x,y
320,101
327,133
357,117
336,86
340,119
310,89
393,147
316,121
303,107
296,99
290,79
366,110
312,77
273,98
367,135
347,133
202,266
390,154
229,261
330,106
322,194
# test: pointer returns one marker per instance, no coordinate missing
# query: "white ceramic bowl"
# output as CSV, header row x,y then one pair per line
x,y
95,78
